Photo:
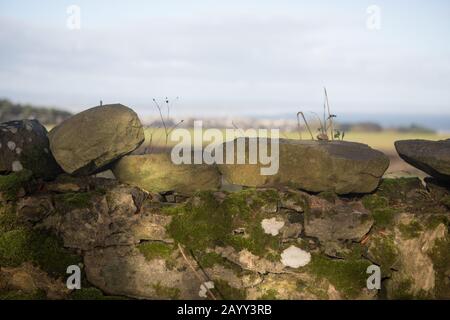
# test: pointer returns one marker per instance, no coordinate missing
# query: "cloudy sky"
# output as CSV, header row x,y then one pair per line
x,y
229,57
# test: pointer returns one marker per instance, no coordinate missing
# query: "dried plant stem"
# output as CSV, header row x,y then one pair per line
x,y
174,127
195,272
162,118
307,125
330,117
299,126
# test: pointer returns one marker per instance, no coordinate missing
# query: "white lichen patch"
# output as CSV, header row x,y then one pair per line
x,y
11,145
12,129
29,126
18,150
204,288
272,226
295,257
16,166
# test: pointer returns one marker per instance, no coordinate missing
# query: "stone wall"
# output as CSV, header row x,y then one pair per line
x,y
162,231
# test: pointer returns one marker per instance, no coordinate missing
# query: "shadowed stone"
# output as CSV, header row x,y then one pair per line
x,y
432,157
24,145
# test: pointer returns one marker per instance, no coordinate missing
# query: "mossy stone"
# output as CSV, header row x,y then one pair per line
x,y
11,184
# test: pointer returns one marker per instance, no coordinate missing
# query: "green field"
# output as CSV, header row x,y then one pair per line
x,y
383,140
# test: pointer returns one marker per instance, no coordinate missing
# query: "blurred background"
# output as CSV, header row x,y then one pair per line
x,y
248,63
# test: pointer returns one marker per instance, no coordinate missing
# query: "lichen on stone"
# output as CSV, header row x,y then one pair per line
x,y
272,226
295,257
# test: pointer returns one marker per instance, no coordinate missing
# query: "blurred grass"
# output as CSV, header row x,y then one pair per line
x,y
383,140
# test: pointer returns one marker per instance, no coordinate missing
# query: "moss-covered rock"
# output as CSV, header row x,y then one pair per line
x,y
383,251
399,189
348,276
12,184
440,255
410,230
22,245
206,223
91,293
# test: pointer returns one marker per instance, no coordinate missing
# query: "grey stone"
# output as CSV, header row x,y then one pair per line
x,y
24,145
432,157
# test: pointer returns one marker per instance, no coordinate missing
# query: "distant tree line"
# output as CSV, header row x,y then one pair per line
x,y
14,111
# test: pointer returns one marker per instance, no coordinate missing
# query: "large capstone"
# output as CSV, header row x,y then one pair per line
x,y
339,166
157,172
92,139
432,157
24,145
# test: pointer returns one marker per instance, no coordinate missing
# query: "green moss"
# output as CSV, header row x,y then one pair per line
x,y
384,252
20,295
273,256
21,245
164,292
10,184
402,290
209,259
206,223
154,249
384,217
270,294
397,189
411,230
75,200
91,293
382,213
199,226
440,255
228,292
435,220
374,201
257,241
348,276
8,218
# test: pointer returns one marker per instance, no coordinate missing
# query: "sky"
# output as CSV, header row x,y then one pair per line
x,y
228,57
